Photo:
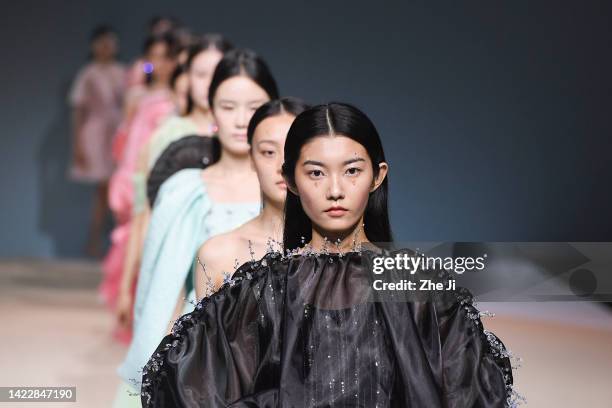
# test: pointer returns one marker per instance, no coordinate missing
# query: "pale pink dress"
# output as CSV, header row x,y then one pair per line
x,y
136,75
98,89
151,111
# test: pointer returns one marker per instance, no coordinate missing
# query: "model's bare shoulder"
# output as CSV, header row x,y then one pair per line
x,y
217,248
212,258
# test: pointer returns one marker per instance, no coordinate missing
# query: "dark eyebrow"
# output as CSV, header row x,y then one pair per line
x,y
353,160
316,163
274,142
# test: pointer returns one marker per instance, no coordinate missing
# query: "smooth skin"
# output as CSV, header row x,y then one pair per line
x,y
335,171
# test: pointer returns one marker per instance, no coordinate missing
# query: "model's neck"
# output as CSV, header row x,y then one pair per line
x,y
338,241
231,164
270,220
203,119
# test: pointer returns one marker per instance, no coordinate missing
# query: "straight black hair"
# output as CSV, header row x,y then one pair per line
x,y
213,40
203,43
101,31
291,105
167,38
155,20
172,47
243,62
191,151
320,121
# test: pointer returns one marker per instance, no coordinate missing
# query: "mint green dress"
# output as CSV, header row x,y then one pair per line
x,y
172,129
183,218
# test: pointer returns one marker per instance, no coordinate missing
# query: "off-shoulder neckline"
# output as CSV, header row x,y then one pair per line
x,y
286,256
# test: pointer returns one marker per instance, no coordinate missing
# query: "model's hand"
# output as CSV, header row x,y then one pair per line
x,y
124,310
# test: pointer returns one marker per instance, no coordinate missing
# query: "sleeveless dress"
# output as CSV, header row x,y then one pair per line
x,y
308,330
183,218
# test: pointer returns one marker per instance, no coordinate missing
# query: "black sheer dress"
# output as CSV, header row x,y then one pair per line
x,y
309,330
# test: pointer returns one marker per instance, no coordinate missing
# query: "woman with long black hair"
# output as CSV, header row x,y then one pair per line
x,y
305,328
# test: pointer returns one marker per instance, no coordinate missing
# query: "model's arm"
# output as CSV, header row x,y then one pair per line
x,y
133,256
131,267
78,98
477,370
178,308
216,257
78,118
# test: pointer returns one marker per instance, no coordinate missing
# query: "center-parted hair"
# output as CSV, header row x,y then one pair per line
x,y
288,105
172,48
343,119
243,62
203,43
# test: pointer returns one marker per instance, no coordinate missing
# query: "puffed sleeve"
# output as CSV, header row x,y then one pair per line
x,y
444,356
220,351
477,370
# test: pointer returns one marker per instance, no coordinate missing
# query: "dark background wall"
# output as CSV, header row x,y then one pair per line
x,y
495,115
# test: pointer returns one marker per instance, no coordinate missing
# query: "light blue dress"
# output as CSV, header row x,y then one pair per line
x,y
183,218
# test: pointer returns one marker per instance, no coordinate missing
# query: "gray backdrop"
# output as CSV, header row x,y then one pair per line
x,y
494,114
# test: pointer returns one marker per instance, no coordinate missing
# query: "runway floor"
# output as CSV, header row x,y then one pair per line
x,y
56,332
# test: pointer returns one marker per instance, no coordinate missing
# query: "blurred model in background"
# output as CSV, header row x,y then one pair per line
x,y
158,25
96,98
